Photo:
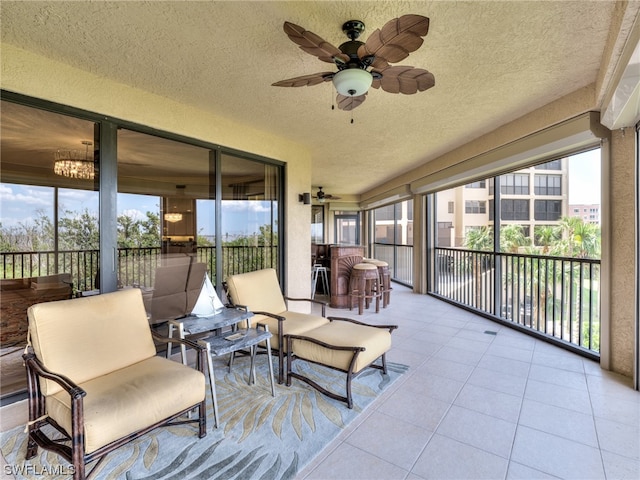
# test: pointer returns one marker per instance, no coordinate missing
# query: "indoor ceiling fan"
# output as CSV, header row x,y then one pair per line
x,y
321,196
363,65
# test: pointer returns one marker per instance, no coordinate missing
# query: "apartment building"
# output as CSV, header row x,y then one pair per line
x,y
532,197
589,213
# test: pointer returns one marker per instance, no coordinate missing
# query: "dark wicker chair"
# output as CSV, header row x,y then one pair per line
x,y
85,355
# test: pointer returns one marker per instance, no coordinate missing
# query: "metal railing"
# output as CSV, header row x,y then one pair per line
x,y
136,266
557,297
399,258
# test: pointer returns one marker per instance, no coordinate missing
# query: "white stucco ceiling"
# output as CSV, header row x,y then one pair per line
x,y
493,62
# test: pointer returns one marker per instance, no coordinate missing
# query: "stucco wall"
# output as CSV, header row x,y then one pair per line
x,y
622,220
29,74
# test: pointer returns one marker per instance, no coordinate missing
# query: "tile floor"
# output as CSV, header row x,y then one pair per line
x,y
479,401
482,401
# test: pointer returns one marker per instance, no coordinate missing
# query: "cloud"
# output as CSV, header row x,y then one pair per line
x,y
249,206
40,197
134,214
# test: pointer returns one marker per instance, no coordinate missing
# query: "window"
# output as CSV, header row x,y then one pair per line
x,y
548,209
480,184
552,165
317,224
514,209
475,206
444,234
450,207
548,184
515,184
347,228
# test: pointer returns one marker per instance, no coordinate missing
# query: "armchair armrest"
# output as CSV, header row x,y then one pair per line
x,y
35,367
311,300
391,328
201,352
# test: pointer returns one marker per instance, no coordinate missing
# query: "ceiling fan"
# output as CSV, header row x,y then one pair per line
x,y
321,196
363,65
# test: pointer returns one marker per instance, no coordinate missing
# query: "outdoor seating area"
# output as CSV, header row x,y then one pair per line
x,y
539,408
320,240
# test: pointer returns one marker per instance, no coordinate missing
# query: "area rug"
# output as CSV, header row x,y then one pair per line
x,y
259,436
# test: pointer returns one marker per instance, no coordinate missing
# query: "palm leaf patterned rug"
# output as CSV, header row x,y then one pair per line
x,y
259,436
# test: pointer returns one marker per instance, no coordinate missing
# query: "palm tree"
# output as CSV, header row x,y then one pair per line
x,y
479,239
545,236
512,237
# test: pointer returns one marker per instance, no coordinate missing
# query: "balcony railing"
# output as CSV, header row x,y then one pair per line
x,y
400,260
136,266
556,297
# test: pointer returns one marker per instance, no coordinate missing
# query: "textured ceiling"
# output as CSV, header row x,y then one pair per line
x,y
493,62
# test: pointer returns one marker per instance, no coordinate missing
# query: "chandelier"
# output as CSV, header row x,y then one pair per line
x,y
173,217
74,163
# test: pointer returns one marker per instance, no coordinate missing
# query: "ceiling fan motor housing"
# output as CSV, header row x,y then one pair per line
x,y
353,28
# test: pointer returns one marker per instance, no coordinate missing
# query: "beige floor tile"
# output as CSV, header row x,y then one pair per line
x,y
562,422
490,402
478,430
401,443
348,462
556,456
445,458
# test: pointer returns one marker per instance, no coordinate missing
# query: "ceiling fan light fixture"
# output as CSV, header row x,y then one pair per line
x,y
352,82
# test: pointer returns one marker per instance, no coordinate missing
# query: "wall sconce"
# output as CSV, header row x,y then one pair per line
x,y
305,198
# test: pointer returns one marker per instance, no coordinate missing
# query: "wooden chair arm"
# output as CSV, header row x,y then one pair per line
x,y
280,318
311,300
391,328
39,370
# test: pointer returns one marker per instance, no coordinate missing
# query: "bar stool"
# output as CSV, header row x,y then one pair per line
x,y
318,271
364,286
385,279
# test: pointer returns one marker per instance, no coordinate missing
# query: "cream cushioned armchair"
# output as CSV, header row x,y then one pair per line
x,y
340,343
93,374
260,292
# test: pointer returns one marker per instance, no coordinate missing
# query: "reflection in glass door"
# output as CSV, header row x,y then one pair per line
x,y
49,221
250,213
347,228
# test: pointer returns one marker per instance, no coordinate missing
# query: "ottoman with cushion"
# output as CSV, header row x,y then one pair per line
x,y
343,344
335,342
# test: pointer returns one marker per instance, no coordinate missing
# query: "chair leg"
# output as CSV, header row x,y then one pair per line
x,y
212,386
252,369
273,387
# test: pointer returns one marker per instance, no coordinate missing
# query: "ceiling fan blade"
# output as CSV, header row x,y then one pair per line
x,y
349,103
305,80
313,44
404,79
396,40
